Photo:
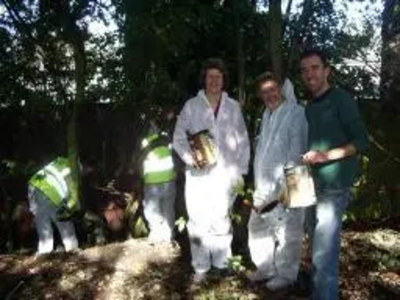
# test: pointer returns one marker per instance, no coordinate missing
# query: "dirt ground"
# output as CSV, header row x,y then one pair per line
x,y
135,269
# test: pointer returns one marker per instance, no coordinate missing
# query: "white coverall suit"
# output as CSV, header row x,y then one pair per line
x,y
209,192
275,238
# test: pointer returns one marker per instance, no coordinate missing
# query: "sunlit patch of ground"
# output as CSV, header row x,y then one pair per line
x,y
135,269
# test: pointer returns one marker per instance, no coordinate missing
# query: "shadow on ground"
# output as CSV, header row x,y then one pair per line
x,y
137,269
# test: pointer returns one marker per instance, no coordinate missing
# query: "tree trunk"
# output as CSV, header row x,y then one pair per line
x,y
287,16
253,4
73,130
390,71
296,42
275,37
240,7
129,9
73,35
241,68
136,52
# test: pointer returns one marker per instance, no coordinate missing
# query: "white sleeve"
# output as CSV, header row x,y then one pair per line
x,y
243,153
296,148
298,137
180,140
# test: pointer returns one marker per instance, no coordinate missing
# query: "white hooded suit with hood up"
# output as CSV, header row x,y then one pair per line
x,y
275,238
209,192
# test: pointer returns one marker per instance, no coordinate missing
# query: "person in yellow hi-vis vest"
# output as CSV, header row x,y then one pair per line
x,y
51,193
159,184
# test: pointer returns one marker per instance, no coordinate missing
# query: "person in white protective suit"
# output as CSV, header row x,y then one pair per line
x,y
209,191
275,238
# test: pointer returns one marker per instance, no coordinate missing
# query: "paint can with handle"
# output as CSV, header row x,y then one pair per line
x,y
203,148
300,187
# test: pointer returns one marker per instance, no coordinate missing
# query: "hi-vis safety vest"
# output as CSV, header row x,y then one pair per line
x,y
53,180
158,166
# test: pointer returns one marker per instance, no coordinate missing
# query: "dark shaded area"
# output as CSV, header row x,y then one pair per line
x,y
40,278
34,136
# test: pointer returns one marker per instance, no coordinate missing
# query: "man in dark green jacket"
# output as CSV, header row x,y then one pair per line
x,y
336,137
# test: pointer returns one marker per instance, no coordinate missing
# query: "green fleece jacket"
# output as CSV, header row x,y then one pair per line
x,y
333,121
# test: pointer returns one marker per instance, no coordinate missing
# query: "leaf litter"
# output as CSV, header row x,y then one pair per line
x,y
137,269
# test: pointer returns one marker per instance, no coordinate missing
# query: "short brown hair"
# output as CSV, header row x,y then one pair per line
x,y
316,52
267,76
213,63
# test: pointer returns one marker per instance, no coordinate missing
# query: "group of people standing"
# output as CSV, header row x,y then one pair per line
x,y
328,134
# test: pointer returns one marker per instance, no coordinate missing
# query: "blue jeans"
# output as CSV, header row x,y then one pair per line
x,y
327,223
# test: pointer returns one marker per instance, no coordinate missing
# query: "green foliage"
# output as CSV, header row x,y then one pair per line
x,y
236,218
165,42
140,229
242,190
385,260
13,168
153,59
377,191
181,223
236,264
